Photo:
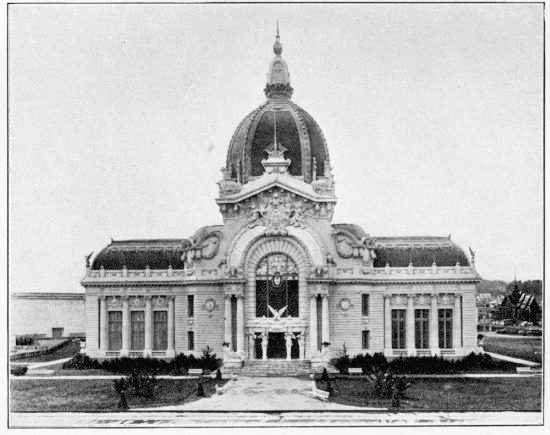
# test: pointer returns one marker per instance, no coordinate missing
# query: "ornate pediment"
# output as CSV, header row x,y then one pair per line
x,y
276,209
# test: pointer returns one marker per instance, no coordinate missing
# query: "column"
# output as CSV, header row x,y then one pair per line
x,y
301,345
387,325
457,325
148,351
125,327
170,350
240,324
410,326
228,320
434,326
313,325
325,319
251,346
103,325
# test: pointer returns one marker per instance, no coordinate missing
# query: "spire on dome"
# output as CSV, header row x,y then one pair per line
x,y
278,78
277,47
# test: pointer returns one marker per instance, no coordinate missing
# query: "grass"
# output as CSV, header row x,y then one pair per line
x,y
524,348
49,395
458,394
70,349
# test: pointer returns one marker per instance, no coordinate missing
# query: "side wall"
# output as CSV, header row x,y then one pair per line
x,y
39,314
346,326
208,326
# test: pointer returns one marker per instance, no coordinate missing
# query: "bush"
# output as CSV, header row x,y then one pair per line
x,y
143,383
200,390
429,365
218,375
18,370
208,360
81,362
121,386
343,361
324,376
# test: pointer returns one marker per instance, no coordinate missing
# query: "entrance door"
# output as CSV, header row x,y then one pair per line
x,y
276,347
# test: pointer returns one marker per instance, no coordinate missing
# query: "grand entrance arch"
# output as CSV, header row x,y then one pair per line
x,y
276,298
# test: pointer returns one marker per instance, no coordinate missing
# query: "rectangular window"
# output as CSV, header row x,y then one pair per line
x,y
365,304
365,339
445,328
422,329
190,340
398,329
137,328
160,330
115,330
190,306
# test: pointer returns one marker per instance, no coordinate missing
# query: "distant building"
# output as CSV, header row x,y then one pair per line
x,y
47,315
518,306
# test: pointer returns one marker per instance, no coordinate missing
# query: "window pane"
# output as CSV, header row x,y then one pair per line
x,y
365,304
160,330
365,339
421,328
137,325
190,340
115,330
445,328
398,329
190,306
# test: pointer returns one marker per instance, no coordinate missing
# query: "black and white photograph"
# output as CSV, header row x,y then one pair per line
x,y
275,215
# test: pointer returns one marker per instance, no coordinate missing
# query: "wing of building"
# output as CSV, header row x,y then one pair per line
x,y
279,280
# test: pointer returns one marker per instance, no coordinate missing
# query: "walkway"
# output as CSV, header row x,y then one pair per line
x,y
277,419
262,394
513,360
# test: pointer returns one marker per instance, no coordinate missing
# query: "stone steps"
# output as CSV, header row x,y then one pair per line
x,y
271,368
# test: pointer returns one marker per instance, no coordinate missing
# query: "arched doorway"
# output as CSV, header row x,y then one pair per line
x,y
277,287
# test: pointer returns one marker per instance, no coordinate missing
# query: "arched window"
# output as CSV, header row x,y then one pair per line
x,y
277,287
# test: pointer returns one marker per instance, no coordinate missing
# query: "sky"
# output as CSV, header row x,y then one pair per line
x,y
120,117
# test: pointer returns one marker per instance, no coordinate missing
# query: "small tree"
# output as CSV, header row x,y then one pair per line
x,y
343,361
218,375
121,385
324,376
208,360
200,389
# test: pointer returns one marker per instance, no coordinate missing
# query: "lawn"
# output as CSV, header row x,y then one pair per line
x,y
49,395
529,348
70,349
457,394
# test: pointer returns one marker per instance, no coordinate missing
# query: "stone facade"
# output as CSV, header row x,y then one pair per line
x,y
278,279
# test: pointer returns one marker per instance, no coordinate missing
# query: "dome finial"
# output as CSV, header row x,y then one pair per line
x,y
277,47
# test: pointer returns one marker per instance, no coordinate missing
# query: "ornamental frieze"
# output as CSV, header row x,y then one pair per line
x,y
137,301
160,301
275,210
421,299
233,289
209,306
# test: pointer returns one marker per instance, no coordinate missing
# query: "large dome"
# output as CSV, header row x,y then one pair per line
x,y
278,118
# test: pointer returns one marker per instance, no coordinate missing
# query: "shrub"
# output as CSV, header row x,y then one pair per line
x,y
200,390
343,361
208,360
18,370
121,386
143,383
218,375
429,365
324,376
81,362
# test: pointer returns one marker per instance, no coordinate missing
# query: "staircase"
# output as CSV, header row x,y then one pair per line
x,y
271,367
